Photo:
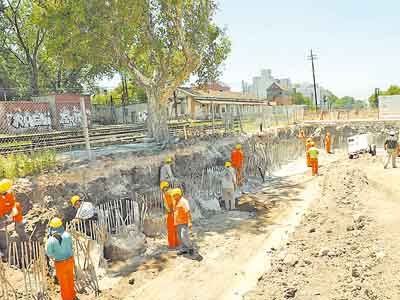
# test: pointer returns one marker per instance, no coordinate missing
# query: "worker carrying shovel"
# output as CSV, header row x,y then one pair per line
x,y
59,248
169,205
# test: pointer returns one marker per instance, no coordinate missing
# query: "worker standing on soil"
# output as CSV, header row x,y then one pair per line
x,y
59,248
166,171
313,153
228,183
237,159
84,210
328,142
391,145
10,211
183,221
173,241
308,146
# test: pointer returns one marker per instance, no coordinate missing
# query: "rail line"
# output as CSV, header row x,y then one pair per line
x,y
100,136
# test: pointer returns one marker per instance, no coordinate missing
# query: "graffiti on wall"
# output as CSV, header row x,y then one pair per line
x,y
70,117
28,119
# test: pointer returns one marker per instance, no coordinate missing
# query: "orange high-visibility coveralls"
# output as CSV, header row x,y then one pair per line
x,y
328,143
313,152
7,202
173,240
65,276
308,146
237,158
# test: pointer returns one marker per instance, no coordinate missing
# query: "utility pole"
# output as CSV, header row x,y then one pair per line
x,y
312,57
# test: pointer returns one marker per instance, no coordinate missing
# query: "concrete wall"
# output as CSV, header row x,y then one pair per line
x,y
24,116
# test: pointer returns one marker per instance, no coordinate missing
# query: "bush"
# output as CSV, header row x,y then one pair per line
x,y
22,165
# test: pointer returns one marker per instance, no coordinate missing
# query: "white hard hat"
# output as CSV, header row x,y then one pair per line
x,y
392,133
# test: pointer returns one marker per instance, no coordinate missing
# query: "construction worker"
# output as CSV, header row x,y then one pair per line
x,y
10,211
328,142
84,210
166,171
228,182
59,248
313,154
391,145
237,159
308,146
183,221
173,241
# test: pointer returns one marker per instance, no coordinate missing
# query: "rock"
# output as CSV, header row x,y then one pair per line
x,y
355,273
307,262
131,281
332,254
323,252
329,231
350,228
290,293
291,260
312,230
126,245
153,226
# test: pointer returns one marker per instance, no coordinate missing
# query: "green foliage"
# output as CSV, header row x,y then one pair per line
x,y
22,165
135,95
392,90
300,99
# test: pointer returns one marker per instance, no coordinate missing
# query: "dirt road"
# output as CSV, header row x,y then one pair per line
x,y
348,243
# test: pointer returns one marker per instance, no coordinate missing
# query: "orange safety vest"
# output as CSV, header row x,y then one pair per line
x,y
19,217
7,202
182,212
168,203
237,158
308,146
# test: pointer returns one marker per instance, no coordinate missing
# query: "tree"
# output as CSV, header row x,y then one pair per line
x,y
392,90
158,43
23,36
300,99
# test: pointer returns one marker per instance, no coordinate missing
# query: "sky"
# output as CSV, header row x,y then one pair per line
x,y
357,42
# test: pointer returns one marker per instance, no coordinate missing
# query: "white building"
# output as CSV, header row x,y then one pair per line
x,y
307,90
261,83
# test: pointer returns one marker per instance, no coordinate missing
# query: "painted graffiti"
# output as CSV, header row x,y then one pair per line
x,y
70,117
27,119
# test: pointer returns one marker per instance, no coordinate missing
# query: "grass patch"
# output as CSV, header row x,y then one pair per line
x,y
22,165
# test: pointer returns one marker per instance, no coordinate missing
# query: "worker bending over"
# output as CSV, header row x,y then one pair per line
x,y
59,248
183,221
166,171
308,146
313,153
391,145
10,211
328,142
228,182
237,160
173,241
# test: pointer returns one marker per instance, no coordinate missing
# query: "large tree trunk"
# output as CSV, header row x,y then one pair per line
x,y
157,121
34,79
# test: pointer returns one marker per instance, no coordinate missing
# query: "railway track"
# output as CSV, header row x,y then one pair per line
x,y
101,136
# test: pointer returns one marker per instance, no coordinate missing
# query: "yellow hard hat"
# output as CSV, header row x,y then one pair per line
x,y
312,144
75,199
238,146
309,140
176,192
228,164
168,159
55,223
5,185
164,185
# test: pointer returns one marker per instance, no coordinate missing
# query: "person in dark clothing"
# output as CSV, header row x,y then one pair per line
x,y
391,146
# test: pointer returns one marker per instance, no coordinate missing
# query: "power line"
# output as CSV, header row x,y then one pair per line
x,y
313,57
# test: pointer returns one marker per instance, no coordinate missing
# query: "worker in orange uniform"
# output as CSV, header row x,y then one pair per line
x,y
308,146
183,221
328,142
59,248
10,211
313,153
237,160
173,241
